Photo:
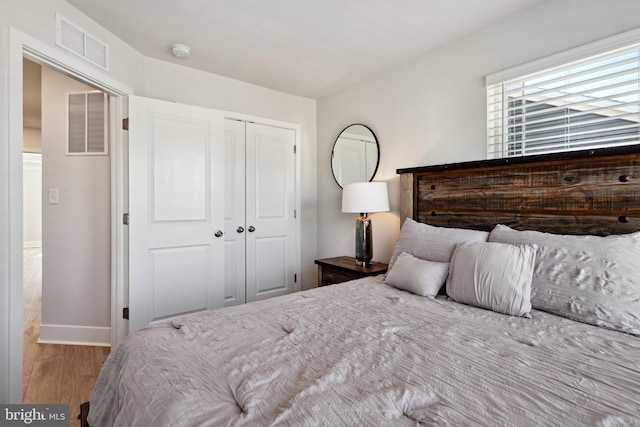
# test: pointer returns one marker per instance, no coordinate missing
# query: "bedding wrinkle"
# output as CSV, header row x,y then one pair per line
x,y
588,279
363,353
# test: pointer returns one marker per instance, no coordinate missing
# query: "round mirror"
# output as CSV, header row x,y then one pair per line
x,y
355,155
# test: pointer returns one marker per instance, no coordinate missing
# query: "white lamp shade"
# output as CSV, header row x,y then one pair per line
x,y
363,197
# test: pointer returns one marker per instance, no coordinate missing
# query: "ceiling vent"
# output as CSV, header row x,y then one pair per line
x,y
75,40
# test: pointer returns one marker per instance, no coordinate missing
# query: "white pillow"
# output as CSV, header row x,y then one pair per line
x,y
432,243
496,276
417,276
590,279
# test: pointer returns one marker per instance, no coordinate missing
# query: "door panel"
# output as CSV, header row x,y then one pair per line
x,y
349,161
179,154
271,271
271,159
372,159
234,202
186,266
176,203
270,204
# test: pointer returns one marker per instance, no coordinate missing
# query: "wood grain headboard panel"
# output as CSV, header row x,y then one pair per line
x,y
582,192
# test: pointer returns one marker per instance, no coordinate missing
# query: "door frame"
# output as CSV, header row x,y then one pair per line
x,y
22,46
297,180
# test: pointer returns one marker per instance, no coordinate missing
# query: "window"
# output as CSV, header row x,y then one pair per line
x,y
587,103
87,123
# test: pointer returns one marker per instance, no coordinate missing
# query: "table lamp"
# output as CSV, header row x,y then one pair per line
x,y
363,198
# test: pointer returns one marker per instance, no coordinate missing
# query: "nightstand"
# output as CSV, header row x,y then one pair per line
x,y
344,268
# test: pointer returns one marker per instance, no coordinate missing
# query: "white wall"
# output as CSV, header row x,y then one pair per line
x,y
32,140
433,109
76,261
32,200
173,82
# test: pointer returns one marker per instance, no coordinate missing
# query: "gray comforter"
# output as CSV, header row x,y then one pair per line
x,y
365,354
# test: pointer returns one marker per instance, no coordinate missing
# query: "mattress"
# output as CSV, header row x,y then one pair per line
x,y
363,353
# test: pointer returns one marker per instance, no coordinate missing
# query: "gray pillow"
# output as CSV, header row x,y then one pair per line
x,y
417,276
590,279
495,276
432,243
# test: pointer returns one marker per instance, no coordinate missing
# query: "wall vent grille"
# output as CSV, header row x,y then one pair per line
x,y
75,40
87,124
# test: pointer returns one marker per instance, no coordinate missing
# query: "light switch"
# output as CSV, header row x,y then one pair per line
x,y
53,196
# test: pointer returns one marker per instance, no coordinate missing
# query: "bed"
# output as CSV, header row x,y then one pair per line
x,y
549,335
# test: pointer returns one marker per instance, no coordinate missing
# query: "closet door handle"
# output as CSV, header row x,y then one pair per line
x,y
218,233
251,229
240,229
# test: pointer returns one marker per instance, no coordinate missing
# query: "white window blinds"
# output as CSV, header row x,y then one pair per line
x,y
588,103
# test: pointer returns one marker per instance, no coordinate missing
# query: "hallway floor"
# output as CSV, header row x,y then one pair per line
x,y
53,373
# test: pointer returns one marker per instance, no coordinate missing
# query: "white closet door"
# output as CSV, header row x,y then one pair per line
x,y
270,205
234,217
349,161
372,160
176,202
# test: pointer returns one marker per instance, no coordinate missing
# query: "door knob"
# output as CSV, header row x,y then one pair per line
x,y
240,229
251,229
218,233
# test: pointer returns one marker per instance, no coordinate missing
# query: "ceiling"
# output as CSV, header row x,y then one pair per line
x,y
310,48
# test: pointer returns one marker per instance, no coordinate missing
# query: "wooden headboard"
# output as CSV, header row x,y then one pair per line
x,y
581,192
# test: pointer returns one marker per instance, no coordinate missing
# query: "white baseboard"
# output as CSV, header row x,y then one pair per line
x,y
34,244
75,335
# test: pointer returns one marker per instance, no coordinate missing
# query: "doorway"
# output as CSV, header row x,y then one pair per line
x,y
66,236
22,46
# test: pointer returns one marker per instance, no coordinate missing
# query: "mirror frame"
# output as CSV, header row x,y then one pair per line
x,y
375,138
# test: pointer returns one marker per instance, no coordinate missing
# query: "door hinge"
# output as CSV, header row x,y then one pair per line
x,y
125,124
295,278
295,213
125,219
125,313
294,149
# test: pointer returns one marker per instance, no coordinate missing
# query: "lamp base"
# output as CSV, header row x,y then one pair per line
x,y
364,246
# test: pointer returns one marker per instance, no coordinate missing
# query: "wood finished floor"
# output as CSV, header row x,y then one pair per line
x,y
53,373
